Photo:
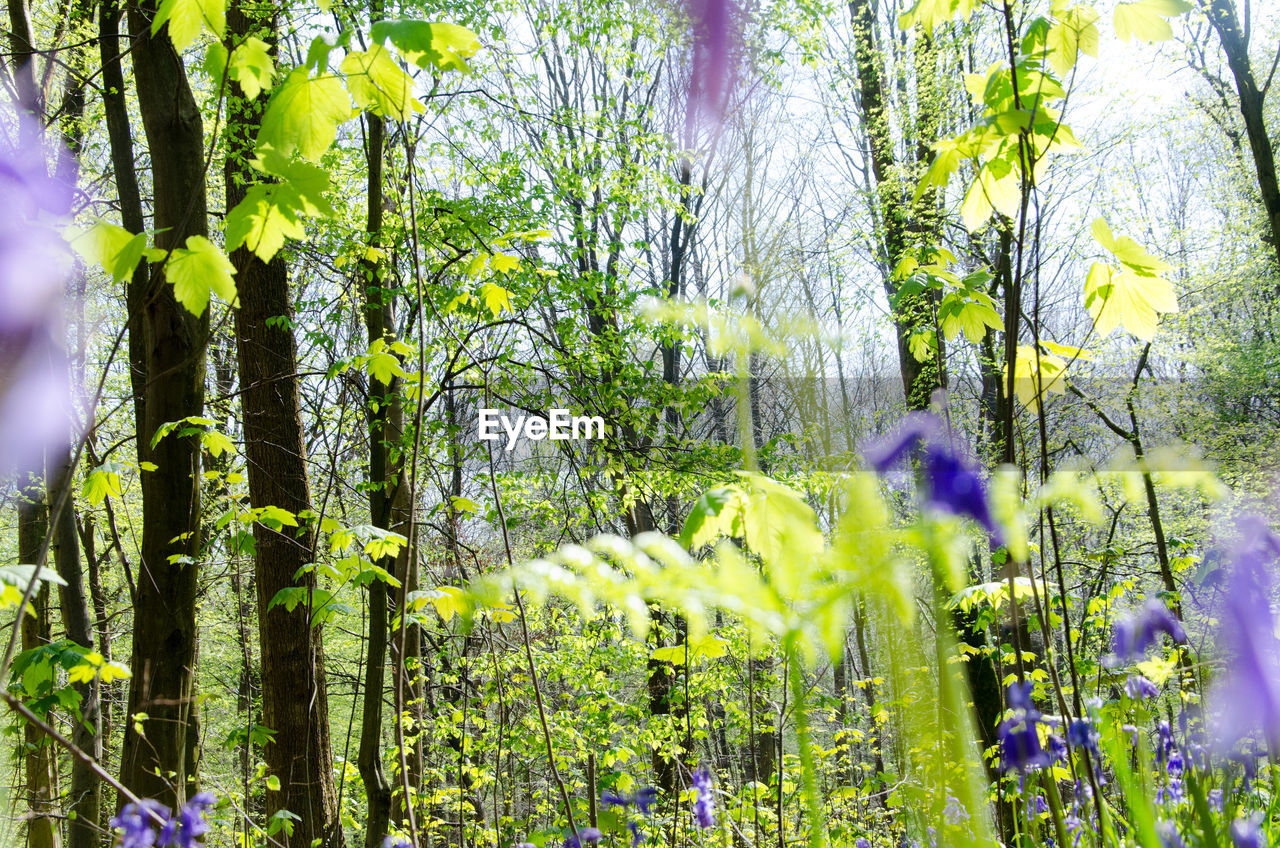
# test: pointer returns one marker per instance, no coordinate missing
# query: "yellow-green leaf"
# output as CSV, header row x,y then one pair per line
x,y
304,115
1145,19
1075,32
495,299
252,67
442,46
196,271
116,250
997,188
261,224
502,262
464,505
378,84
216,443
186,18
1127,299
1036,374
101,483
1128,251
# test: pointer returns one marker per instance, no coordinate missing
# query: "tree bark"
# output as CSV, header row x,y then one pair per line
x,y
1222,16
294,691
160,762
120,139
385,504
40,764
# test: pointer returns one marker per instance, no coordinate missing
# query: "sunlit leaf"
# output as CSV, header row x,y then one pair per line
x,y
196,271
303,115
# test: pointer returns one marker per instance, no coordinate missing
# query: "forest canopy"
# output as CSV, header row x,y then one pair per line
x,y
623,422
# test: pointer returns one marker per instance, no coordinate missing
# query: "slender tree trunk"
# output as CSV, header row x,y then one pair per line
x,y
41,766
1222,15
85,790
295,700
85,798
383,493
123,169
161,764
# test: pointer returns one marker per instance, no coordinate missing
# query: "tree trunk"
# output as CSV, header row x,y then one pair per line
x,y
41,767
160,762
294,691
1222,15
120,138
385,502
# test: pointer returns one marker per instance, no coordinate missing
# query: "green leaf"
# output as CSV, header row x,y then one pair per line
x,y
998,188
1126,299
273,212
502,262
304,114
495,299
447,600
262,223
466,505
1128,251
705,647
923,345
186,18
378,84
716,513
383,367
971,313
273,783
1075,32
215,61
217,443
101,483
1035,374
116,250
196,271
442,46
1145,19
252,67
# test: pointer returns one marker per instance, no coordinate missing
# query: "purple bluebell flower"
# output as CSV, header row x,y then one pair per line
x,y
1134,634
1082,734
1074,825
1215,799
136,823
1247,699
1169,836
861,842
517,845
1057,748
643,799
35,387
1245,833
190,820
954,812
1019,695
394,841
1042,806
1171,792
1019,735
704,809
1140,688
716,32
952,482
